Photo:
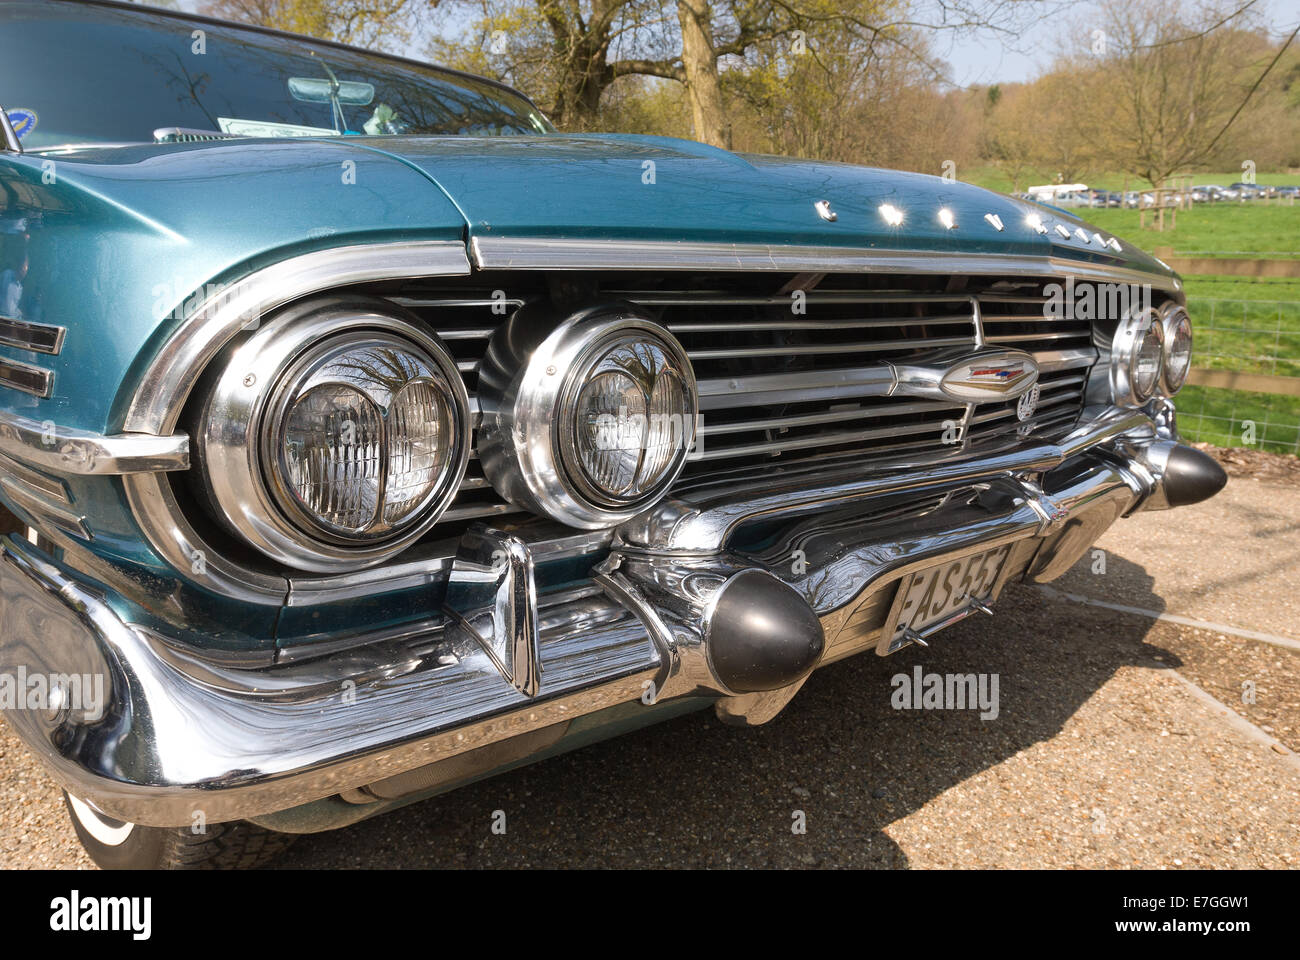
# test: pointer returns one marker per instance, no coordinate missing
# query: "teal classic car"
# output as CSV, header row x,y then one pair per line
x,y
361,435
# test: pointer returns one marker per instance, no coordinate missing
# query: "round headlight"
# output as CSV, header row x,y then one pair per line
x,y
330,450
1137,358
364,436
1178,348
622,434
589,422
1148,361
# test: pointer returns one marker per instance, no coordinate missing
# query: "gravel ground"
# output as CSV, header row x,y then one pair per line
x,y
1234,559
1101,755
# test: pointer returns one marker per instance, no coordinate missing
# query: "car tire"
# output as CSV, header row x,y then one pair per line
x,y
116,845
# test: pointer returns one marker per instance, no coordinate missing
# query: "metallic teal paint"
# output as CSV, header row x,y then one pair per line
x,y
121,239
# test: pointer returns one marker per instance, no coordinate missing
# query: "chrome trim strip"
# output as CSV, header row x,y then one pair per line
x,y
558,253
46,486
46,498
403,574
55,515
154,506
426,570
68,450
764,388
17,375
37,337
703,523
172,374
8,139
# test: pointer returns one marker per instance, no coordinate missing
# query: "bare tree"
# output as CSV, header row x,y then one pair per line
x,y
366,23
1168,83
580,49
1010,135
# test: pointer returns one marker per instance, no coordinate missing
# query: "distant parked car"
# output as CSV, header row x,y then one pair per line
x,y
1247,191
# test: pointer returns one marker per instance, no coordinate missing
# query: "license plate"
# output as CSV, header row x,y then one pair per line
x,y
929,597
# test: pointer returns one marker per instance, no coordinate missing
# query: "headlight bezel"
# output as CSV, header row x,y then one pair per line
x,y
1172,314
528,386
242,421
1126,347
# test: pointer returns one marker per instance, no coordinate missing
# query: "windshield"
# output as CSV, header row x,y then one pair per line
x,y
81,73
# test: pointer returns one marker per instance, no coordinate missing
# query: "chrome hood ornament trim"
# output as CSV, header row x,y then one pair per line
x,y
984,375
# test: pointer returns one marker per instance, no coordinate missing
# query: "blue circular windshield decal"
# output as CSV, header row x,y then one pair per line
x,y
22,120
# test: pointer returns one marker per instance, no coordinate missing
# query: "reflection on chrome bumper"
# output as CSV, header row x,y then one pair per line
x,y
820,560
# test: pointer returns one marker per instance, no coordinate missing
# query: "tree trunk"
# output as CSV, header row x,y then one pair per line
x,y
700,64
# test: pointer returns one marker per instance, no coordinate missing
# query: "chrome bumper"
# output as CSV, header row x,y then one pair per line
x,y
178,735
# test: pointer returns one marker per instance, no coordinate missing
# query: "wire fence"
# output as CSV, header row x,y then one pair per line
x,y
1237,418
1257,344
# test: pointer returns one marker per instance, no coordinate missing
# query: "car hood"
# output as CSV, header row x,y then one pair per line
x,y
117,240
656,188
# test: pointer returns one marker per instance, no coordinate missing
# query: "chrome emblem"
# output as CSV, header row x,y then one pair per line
x,y
994,376
825,212
1028,402
981,376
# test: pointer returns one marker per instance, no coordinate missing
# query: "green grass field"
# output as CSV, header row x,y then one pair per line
x,y
1251,326
1257,228
1226,418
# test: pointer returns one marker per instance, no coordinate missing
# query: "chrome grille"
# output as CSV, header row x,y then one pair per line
x,y
779,387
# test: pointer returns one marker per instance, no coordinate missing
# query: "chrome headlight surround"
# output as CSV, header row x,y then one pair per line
x,y
1140,330
1175,318
242,423
529,386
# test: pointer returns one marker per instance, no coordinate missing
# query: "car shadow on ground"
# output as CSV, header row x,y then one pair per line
x,y
692,792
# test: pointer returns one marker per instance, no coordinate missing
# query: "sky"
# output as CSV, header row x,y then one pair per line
x,y
984,57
